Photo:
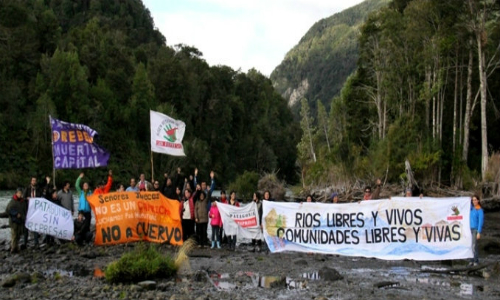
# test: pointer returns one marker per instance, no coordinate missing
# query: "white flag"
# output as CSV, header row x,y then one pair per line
x,y
241,221
166,134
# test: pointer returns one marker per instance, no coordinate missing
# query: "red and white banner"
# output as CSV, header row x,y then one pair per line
x,y
241,221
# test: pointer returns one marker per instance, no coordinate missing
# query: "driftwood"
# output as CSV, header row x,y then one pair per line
x,y
457,270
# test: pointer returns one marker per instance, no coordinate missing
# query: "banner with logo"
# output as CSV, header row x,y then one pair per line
x,y
401,228
242,221
136,216
49,218
74,148
166,134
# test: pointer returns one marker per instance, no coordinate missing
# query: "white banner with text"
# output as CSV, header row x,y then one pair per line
x,y
241,221
49,218
401,228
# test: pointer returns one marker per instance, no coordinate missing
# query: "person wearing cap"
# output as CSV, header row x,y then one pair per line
x,y
16,212
335,197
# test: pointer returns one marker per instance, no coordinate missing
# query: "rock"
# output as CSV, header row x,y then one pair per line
x,y
23,277
89,255
329,274
9,282
135,288
200,276
386,284
301,262
147,285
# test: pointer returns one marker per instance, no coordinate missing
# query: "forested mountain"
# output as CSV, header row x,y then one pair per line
x,y
103,64
317,67
426,89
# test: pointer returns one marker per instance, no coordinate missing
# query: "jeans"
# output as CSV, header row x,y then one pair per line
x,y
475,246
215,233
232,241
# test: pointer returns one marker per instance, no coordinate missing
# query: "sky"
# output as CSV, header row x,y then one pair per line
x,y
242,34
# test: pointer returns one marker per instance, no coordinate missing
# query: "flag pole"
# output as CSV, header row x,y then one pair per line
x,y
52,148
152,168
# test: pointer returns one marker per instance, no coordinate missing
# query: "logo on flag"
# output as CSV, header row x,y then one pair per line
x,y
74,147
166,134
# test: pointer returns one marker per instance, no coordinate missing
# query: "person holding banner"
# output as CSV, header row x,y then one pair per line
x,y
83,204
16,211
476,227
132,187
335,197
32,191
232,238
258,242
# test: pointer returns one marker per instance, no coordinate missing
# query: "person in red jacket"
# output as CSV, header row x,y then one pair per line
x,y
104,188
216,222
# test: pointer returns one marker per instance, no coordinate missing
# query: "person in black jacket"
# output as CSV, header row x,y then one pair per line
x,y
168,188
258,242
32,191
82,232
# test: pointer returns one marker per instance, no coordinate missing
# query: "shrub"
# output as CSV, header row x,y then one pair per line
x,y
144,262
245,185
271,183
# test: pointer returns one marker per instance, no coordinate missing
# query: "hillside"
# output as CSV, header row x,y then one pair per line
x,y
317,67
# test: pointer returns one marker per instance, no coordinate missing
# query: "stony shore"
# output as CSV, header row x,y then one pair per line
x,y
69,272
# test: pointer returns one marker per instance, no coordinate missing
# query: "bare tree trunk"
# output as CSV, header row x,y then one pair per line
x,y
483,89
455,100
427,100
378,102
468,112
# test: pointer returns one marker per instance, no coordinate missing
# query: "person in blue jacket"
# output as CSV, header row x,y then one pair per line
x,y
476,227
83,204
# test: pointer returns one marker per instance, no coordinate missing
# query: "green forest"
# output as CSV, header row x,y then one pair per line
x,y
426,89
105,65
317,67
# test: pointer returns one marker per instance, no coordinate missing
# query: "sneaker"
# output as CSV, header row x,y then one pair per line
x,y
258,249
470,264
475,264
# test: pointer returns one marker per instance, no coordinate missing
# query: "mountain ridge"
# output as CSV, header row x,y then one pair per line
x,y
317,67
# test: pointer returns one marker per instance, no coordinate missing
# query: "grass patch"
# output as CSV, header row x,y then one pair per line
x,y
144,262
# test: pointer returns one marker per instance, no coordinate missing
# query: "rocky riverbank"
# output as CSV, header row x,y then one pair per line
x,y
69,272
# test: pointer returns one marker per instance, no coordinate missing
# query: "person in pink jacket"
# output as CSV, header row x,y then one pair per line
x,y
215,222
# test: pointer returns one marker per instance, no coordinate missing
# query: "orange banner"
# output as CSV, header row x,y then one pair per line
x,y
136,216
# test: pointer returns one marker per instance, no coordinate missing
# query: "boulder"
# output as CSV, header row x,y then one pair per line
x,y
329,274
147,285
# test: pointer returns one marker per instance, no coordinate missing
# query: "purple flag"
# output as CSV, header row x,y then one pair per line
x,y
74,148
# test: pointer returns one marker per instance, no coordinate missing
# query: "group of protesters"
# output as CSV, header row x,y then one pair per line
x,y
197,208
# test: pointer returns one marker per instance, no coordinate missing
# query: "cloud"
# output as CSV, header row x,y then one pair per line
x,y
241,34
